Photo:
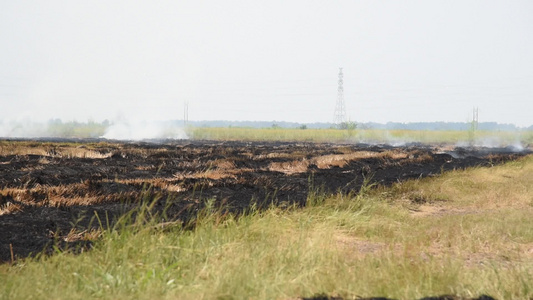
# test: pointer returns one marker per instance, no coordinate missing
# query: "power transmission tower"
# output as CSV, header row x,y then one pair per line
x,y
340,107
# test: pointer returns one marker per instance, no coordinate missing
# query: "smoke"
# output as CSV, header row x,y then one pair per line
x,y
119,130
382,137
22,129
511,142
145,130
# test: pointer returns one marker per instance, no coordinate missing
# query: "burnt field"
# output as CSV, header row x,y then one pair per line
x,y
52,191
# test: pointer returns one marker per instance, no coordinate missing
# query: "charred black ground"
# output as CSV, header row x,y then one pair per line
x,y
44,196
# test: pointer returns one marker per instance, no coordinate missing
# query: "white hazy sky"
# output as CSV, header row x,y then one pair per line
x,y
404,61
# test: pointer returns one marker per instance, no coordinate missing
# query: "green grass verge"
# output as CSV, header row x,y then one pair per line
x,y
466,233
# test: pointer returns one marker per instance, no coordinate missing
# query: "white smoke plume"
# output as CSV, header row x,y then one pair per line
x,y
512,142
144,130
22,129
119,130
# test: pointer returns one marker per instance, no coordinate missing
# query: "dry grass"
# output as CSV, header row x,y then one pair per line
x,y
50,150
480,217
478,189
290,167
340,160
59,196
75,235
10,208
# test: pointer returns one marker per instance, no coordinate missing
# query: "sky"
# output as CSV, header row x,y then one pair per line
x,y
403,61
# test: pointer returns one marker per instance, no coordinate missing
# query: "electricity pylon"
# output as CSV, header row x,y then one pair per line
x,y
340,107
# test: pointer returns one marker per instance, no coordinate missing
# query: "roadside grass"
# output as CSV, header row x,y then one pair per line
x,y
465,233
479,188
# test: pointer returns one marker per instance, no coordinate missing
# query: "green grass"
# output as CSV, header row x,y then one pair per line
x,y
487,138
472,235
270,134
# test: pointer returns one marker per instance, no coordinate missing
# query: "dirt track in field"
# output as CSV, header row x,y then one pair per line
x,y
51,191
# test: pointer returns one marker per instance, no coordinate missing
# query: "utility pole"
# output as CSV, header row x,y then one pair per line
x,y
475,119
340,107
186,113
473,126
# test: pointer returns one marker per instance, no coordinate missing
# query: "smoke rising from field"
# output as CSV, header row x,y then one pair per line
x,y
22,129
382,137
513,142
119,130
494,142
145,130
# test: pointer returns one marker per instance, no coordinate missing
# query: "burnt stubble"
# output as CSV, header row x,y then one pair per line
x,y
52,197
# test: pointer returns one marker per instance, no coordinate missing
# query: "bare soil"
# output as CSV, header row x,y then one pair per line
x,y
51,191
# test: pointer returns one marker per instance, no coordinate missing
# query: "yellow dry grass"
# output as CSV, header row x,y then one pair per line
x,y
76,235
479,189
56,196
54,150
479,217
9,208
337,160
